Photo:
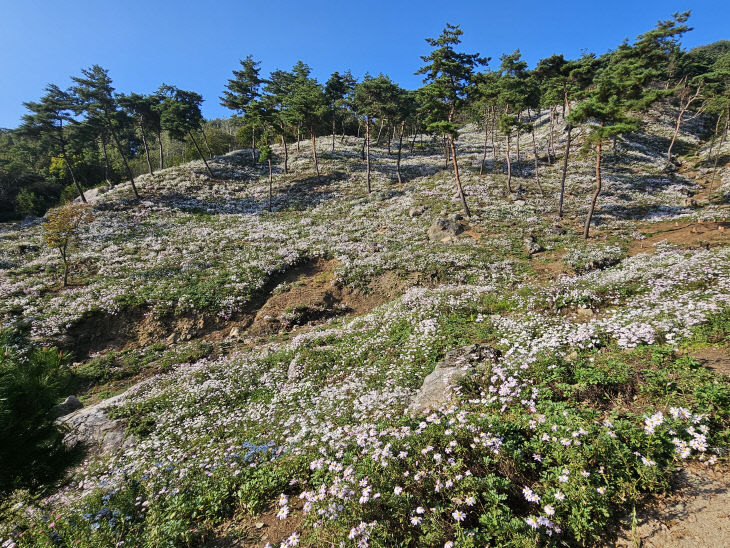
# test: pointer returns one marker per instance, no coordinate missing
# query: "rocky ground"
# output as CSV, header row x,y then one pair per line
x,y
251,354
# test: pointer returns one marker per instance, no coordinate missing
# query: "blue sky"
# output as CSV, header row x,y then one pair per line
x,y
196,45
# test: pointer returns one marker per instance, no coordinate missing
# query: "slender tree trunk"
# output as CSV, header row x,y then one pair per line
x,y
299,135
447,150
509,167
106,160
494,123
342,140
565,172
714,137
413,142
367,152
65,272
486,139
719,150
68,164
146,149
314,151
200,153
551,145
458,179
124,160
400,148
359,125
592,208
333,131
537,160
286,155
162,156
682,110
390,134
207,144
271,184
253,147
518,165
380,132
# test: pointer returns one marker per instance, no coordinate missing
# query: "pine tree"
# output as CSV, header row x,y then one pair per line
x,y
305,105
448,77
46,121
241,95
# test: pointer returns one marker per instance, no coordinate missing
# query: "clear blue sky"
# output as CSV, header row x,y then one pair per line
x,y
196,45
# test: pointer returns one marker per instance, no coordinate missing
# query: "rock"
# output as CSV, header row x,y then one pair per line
x,y
235,333
520,203
445,230
68,406
172,339
584,313
416,211
439,386
531,245
92,427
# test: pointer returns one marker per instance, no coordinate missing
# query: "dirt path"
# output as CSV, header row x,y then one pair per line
x,y
696,515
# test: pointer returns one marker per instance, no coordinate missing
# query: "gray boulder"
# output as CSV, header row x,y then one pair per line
x,y
531,245
439,386
93,428
445,230
68,406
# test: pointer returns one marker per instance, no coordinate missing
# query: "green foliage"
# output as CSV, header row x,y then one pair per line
x,y
32,380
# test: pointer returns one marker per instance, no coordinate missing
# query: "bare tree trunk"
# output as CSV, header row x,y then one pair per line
x,y
565,172
389,137
380,132
494,124
413,142
682,110
207,144
458,180
719,150
333,131
519,161
200,153
286,155
486,138
587,226
551,144
68,164
124,160
271,184
253,146
299,135
367,152
106,160
342,140
314,151
146,149
537,160
159,143
400,148
509,167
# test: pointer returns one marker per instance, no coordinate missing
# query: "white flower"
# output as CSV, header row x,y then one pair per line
x,y
458,515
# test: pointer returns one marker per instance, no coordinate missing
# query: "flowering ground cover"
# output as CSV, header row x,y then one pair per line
x,y
593,399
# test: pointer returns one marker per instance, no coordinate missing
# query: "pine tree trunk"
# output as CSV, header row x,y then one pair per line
x,y
200,153
565,172
271,184
682,110
162,156
537,160
494,123
400,148
518,165
314,151
68,164
486,139
207,144
299,135
413,142
592,208
509,167
253,147
333,131
458,179
124,160
389,138
106,160
719,150
551,144
146,149
380,132
367,152
342,139
286,155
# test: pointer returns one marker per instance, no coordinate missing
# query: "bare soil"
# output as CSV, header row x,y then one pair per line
x,y
695,515
682,234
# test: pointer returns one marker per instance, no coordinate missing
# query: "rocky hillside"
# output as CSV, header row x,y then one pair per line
x,y
376,369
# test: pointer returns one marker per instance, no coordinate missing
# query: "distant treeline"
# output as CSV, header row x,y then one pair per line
x,y
88,135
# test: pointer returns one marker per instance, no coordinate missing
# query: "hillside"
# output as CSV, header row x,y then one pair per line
x,y
268,368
